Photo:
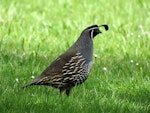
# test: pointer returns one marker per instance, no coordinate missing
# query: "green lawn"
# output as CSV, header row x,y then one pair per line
x,y
33,33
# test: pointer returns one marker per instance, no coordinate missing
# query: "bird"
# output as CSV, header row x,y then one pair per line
x,y
73,66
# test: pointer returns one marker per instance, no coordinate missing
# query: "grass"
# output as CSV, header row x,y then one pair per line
x,y
34,33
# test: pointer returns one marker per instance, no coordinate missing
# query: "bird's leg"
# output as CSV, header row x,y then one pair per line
x,y
68,91
61,90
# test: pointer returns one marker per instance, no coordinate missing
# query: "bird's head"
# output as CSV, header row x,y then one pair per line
x,y
93,30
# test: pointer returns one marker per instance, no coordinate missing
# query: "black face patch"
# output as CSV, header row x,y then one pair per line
x,y
94,32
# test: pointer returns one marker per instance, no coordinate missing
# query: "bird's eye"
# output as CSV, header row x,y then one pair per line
x,y
92,32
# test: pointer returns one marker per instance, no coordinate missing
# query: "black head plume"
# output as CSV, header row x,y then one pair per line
x,y
105,26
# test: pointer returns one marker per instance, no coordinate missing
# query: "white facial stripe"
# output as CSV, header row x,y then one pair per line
x,y
92,33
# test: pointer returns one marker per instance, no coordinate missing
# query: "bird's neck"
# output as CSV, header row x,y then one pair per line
x,y
84,45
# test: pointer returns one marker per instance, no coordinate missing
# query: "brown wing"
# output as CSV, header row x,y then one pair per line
x,y
56,67
53,73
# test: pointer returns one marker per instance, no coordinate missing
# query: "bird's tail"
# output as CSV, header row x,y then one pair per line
x,y
34,82
29,84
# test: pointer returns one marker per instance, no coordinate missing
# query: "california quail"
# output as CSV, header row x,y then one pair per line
x,y
72,67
